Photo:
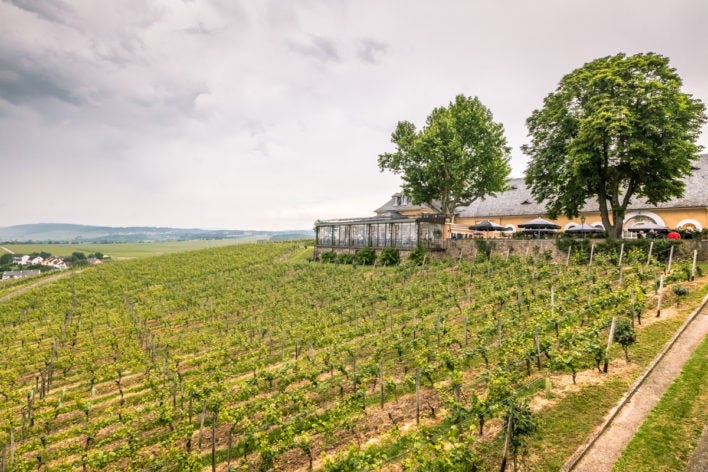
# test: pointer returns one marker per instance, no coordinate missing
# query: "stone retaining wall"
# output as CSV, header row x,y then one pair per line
x,y
522,248
538,247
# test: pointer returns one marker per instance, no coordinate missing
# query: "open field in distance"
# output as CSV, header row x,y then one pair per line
x,y
125,250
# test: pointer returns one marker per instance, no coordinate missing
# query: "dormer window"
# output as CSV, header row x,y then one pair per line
x,y
526,202
397,200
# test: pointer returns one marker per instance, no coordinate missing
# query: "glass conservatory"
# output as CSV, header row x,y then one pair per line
x,y
388,230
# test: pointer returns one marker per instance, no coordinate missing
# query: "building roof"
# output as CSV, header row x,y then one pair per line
x,y
404,205
518,201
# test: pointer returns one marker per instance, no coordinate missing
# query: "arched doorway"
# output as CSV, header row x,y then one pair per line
x,y
640,217
690,224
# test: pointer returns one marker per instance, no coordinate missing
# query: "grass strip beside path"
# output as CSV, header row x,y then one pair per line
x,y
563,428
668,437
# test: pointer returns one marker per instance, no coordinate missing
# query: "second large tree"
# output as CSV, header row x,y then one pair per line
x,y
615,129
459,156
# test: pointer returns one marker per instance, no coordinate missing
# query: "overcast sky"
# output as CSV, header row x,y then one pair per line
x,y
271,114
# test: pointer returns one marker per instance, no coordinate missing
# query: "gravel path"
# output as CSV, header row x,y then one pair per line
x,y
603,450
699,461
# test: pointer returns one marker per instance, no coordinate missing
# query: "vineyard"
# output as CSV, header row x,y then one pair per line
x,y
249,357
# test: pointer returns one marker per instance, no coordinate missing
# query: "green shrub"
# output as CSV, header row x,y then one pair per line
x,y
345,258
624,335
365,256
485,247
390,257
680,291
417,255
329,256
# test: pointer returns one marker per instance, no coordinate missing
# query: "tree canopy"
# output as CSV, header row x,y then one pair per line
x,y
460,155
617,128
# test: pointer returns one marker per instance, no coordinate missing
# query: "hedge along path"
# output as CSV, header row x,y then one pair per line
x,y
606,445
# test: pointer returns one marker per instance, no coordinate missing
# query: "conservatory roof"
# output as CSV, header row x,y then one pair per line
x,y
386,217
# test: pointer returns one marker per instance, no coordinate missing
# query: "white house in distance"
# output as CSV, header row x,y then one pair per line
x,y
51,261
56,262
20,259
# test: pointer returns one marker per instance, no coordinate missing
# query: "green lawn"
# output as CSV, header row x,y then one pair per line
x,y
563,428
668,437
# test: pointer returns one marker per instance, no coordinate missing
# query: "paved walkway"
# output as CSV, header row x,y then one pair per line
x,y
699,461
611,442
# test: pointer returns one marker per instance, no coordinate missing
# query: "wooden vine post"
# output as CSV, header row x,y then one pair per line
x,y
201,425
619,264
213,441
592,252
12,445
467,332
651,247
381,381
660,295
609,344
499,332
693,266
507,440
671,259
633,294
417,395
538,349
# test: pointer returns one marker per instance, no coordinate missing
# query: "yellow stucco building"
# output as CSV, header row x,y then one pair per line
x,y
400,224
517,205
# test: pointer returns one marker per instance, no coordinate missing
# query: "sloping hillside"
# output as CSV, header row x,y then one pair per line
x,y
250,357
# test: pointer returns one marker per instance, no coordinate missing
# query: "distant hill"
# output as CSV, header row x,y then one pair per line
x,y
70,233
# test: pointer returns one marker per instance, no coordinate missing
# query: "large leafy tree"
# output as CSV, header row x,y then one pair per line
x,y
459,156
615,129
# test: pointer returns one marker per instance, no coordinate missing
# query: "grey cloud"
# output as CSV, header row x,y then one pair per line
x,y
370,50
54,11
199,29
23,82
122,51
180,99
320,48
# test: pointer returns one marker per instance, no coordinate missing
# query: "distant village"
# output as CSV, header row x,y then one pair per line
x,y
33,264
